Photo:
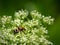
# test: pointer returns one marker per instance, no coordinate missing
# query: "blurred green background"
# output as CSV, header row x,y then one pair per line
x,y
46,7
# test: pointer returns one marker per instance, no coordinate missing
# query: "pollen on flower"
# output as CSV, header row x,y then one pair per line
x,y
35,32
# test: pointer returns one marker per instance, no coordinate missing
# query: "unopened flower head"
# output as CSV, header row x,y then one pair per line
x,y
26,28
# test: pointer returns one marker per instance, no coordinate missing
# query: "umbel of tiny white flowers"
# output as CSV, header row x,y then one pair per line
x,y
35,32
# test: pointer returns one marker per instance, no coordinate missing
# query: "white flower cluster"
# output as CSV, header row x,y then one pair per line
x,y
48,20
35,32
22,14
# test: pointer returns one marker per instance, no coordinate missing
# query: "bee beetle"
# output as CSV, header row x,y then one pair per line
x,y
19,29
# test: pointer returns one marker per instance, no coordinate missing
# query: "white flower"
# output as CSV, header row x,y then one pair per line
x,y
21,14
43,30
35,14
3,19
6,19
17,14
48,20
17,22
24,38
